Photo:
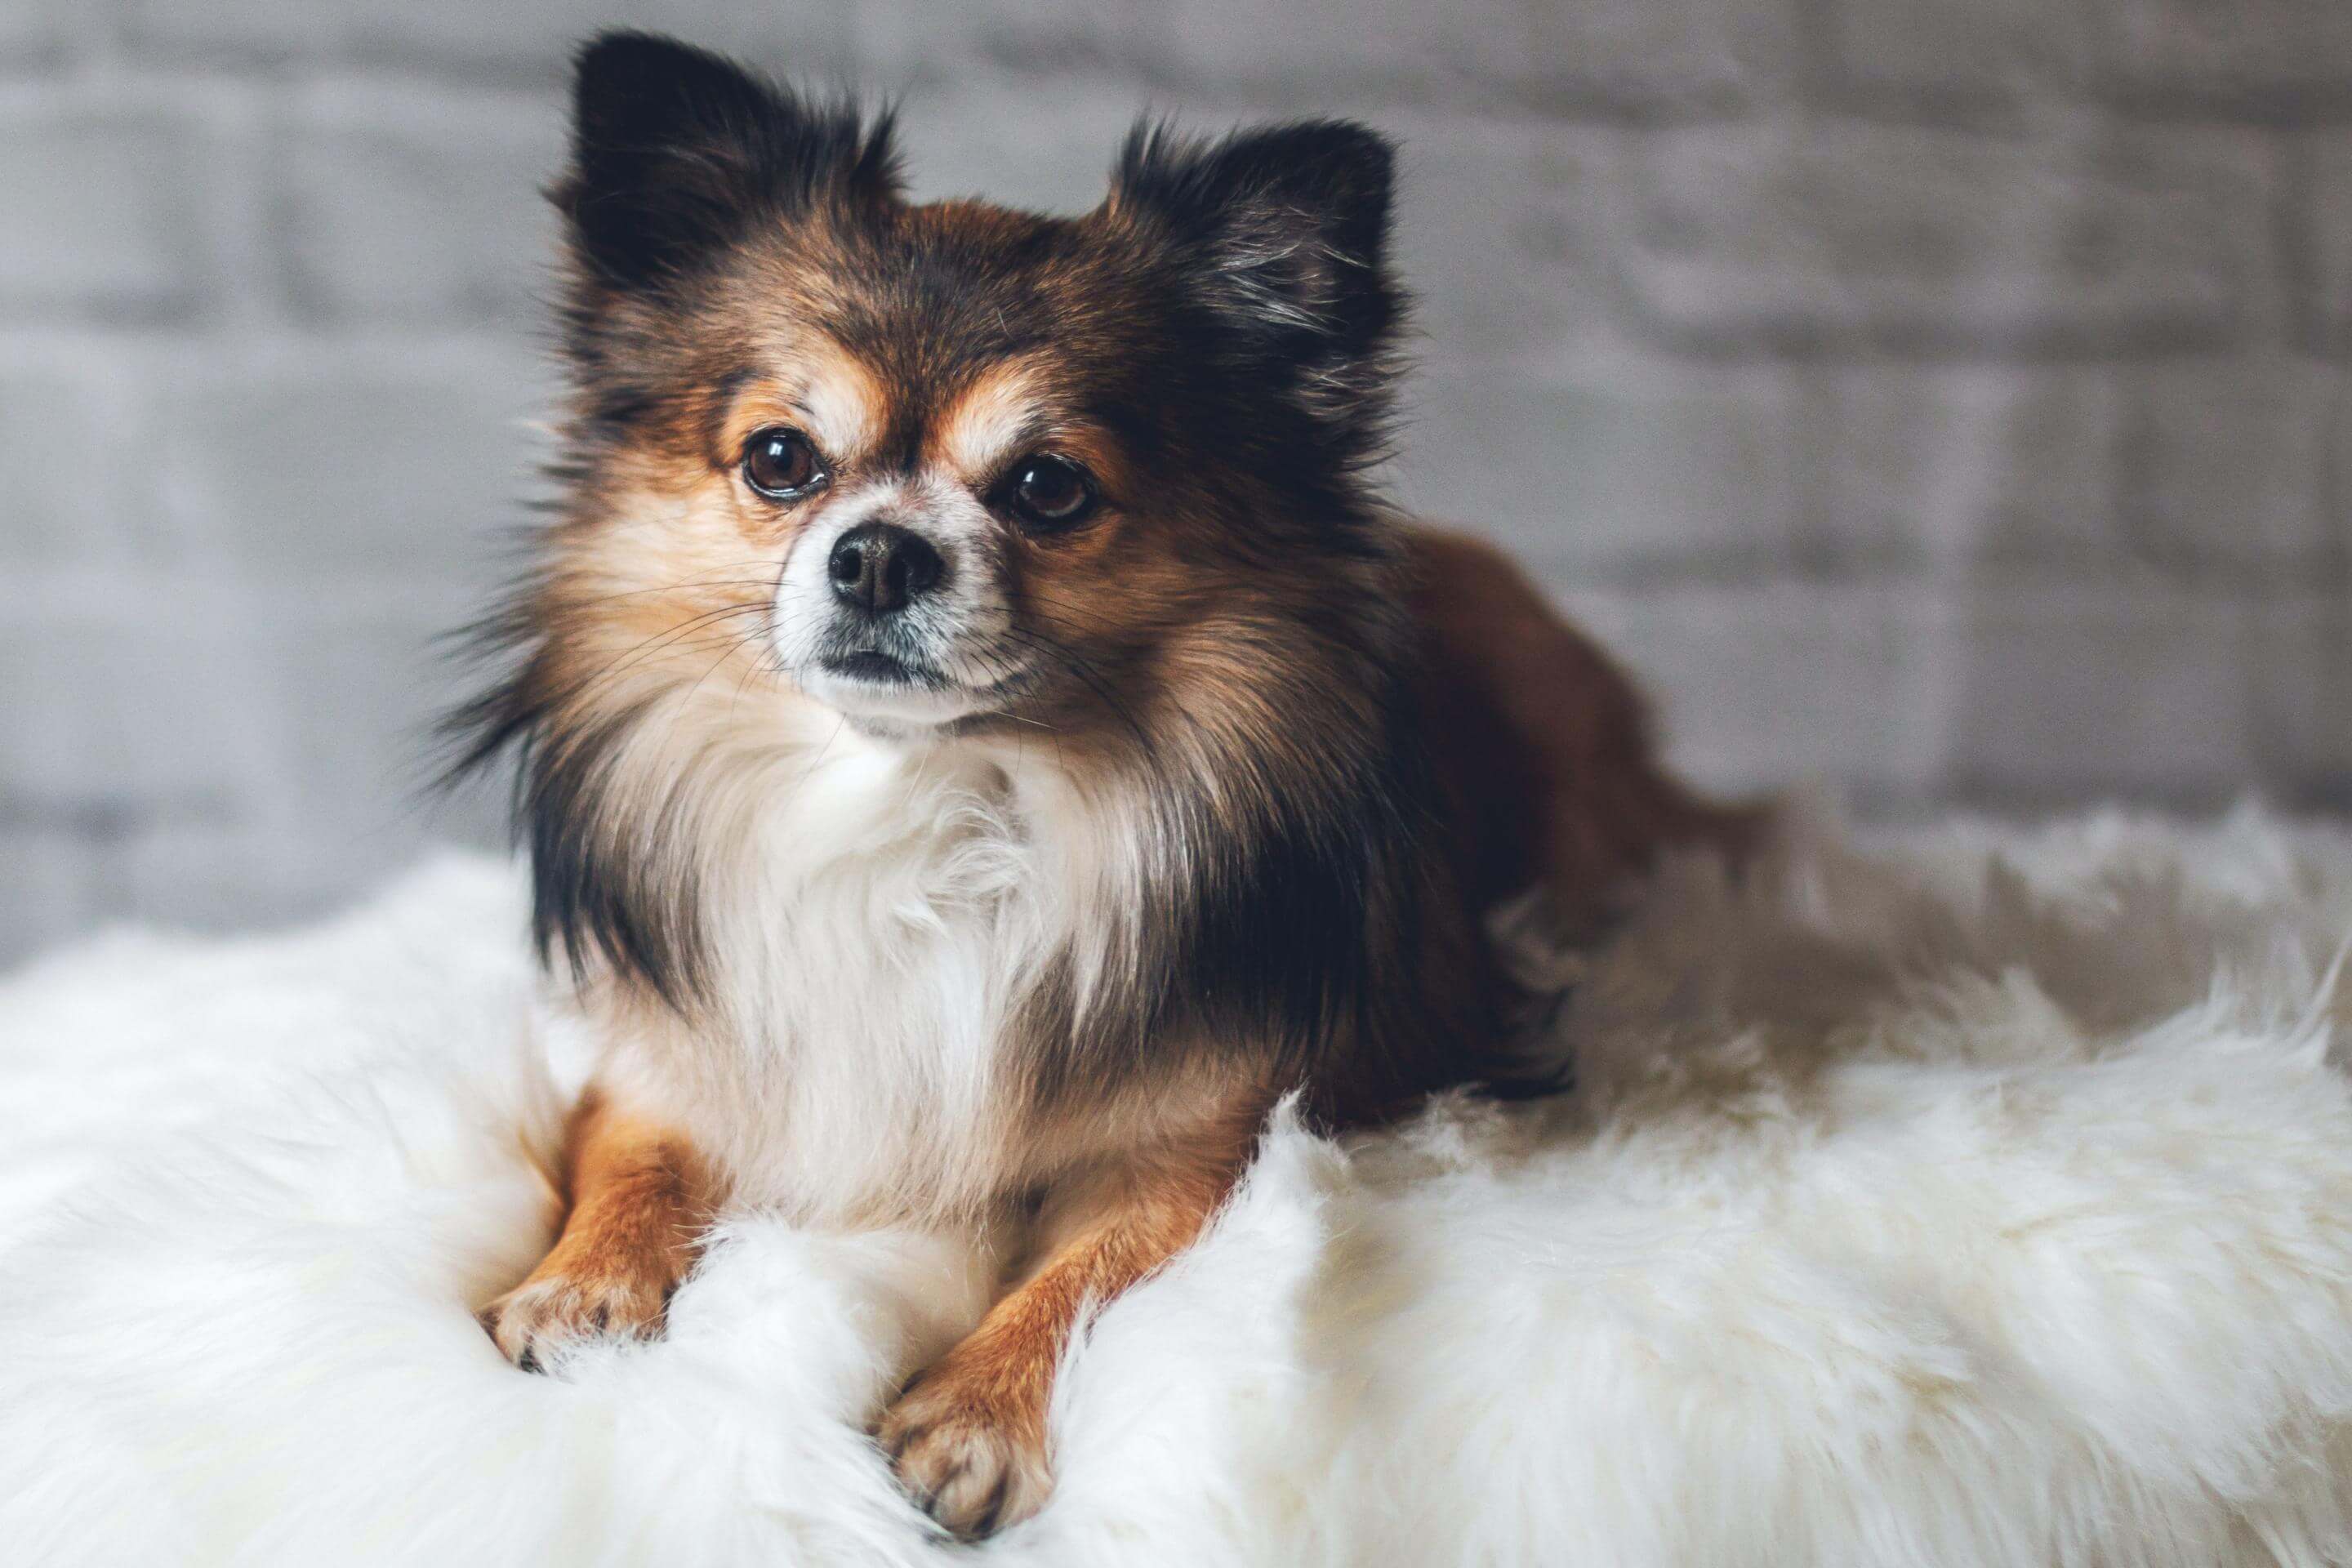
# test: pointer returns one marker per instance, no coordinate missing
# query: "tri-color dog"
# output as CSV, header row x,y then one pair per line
x,y
983,737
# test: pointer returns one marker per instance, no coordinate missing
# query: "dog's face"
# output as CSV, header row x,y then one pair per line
x,y
947,468
945,449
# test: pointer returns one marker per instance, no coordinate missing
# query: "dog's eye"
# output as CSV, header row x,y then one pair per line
x,y
778,463
1049,492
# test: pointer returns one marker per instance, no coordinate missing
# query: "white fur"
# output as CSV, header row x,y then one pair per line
x,y
872,912
1974,1198
960,629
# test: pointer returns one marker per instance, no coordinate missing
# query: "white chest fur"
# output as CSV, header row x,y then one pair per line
x,y
873,917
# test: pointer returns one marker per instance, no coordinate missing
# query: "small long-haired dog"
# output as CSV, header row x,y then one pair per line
x,y
983,739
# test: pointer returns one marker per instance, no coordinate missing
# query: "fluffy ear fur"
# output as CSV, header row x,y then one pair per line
x,y
1286,228
676,152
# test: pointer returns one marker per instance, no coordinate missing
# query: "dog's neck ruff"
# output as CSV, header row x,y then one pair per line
x,y
873,922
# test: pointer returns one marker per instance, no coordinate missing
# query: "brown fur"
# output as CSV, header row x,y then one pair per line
x,y
637,1196
1542,743
1286,752
969,1435
1543,749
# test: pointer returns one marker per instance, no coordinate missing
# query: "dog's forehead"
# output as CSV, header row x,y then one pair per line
x,y
944,286
964,335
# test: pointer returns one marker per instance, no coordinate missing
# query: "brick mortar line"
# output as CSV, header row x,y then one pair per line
x,y
133,72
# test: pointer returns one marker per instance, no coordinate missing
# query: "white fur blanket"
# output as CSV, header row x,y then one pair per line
x,y
1970,1198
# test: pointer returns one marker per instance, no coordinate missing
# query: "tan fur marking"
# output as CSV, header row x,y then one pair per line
x,y
969,1437
639,1200
819,388
991,421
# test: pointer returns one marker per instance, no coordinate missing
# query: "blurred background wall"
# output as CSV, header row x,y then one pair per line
x,y
1944,398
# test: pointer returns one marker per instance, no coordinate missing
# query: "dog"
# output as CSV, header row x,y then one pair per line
x,y
981,736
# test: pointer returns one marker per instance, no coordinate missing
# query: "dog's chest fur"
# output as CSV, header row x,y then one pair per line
x,y
875,920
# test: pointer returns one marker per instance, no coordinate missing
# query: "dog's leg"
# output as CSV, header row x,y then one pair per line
x,y
639,1200
968,1437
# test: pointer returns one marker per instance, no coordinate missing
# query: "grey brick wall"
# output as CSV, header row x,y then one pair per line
x,y
1951,399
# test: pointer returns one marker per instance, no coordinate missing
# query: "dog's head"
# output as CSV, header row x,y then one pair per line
x,y
945,467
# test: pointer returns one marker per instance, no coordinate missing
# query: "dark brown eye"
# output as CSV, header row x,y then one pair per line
x,y
1049,492
779,463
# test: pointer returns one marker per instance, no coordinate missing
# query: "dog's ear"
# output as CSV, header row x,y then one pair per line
x,y
676,152
1286,232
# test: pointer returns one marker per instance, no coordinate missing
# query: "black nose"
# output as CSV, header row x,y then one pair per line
x,y
881,567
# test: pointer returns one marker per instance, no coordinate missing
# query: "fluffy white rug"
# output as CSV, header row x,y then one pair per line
x,y
1965,1197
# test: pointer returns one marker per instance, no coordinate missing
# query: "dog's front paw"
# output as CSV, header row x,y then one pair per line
x,y
555,1308
974,1457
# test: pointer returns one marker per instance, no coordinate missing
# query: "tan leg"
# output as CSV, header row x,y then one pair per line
x,y
638,1204
968,1437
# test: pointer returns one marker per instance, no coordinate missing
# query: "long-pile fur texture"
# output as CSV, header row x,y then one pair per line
x,y
983,739
1980,1199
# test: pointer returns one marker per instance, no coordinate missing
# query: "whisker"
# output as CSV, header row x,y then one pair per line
x,y
674,588
657,643
757,668
1077,665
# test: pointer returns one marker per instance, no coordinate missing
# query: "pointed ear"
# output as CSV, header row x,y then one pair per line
x,y
676,152
1286,228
